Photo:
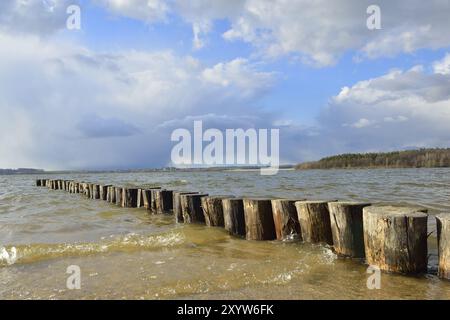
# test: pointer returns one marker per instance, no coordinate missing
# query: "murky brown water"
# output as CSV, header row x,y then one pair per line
x,y
127,253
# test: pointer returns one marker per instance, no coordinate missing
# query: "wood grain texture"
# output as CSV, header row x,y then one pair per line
x,y
285,218
395,238
233,215
259,224
443,236
347,228
314,219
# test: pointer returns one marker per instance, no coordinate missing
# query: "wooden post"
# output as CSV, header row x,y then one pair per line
x,y
233,216
38,182
443,236
314,220
259,224
103,192
285,218
347,228
147,198
163,201
129,197
153,196
95,191
395,238
90,187
112,194
191,208
140,198
213,210
118,196
178,213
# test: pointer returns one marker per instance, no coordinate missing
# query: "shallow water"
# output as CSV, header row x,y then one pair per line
x,y
128,253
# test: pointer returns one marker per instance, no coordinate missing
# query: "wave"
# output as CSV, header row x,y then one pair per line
x,y
23,254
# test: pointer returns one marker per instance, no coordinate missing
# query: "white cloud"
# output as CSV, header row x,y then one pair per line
x,y
442,66
316,32
146,10
398,110
102,110
34,16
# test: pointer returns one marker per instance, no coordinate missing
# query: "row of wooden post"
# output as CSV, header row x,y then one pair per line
x,y
393,239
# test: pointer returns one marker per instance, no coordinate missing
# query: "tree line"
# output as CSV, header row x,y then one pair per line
x,y
422,158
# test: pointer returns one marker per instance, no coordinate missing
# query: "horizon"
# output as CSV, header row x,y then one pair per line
x,y
106,91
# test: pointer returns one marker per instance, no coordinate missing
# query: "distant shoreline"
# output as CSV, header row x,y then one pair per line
x,y
422,158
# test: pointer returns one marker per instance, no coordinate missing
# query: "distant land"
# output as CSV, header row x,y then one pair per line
x,y
422,158
222,168
21,171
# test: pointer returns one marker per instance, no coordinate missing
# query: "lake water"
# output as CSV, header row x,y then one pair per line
x,y
131,254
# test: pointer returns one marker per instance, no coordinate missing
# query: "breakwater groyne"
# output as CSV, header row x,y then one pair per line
x,y
393,239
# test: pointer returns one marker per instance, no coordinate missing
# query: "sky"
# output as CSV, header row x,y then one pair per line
x,y
109,95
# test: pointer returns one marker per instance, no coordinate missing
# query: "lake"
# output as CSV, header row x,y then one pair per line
x,y
127,253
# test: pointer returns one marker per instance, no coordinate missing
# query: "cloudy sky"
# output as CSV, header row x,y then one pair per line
x,y
110,94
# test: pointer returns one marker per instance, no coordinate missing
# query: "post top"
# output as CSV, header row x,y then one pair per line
x,y
313,201
443,216
288,200
349,203
406,211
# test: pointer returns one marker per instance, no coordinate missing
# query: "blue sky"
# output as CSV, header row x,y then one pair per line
x,y
136,71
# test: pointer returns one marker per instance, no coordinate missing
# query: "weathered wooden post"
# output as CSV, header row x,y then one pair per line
x,y
112,194
191,207
314,220
178,213
95,191
119,194
395,238
90,187
103,192
285,218
38,182
443,236
140,198
163,200
233,216
259,224
129,197
213,210
59,185
87,190
147,198
347,228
